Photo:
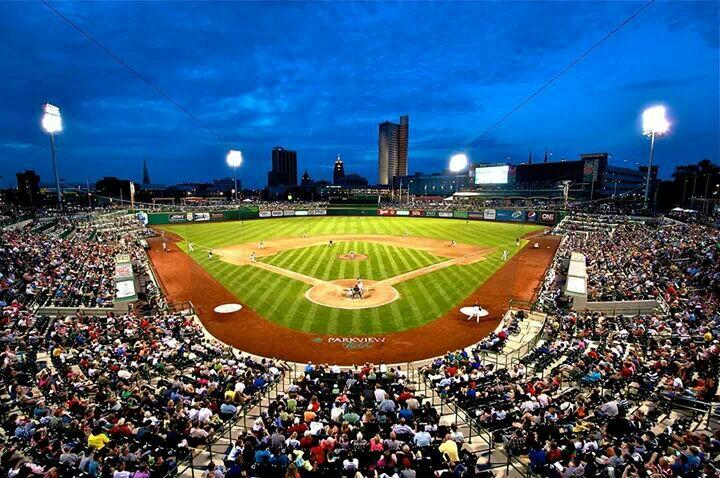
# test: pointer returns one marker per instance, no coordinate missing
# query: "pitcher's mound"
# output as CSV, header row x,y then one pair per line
x,y
335,294
355,257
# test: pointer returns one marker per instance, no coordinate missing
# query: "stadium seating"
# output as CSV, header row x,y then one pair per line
x,y
150,394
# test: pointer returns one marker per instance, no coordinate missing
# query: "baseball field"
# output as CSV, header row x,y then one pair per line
x,y
410,267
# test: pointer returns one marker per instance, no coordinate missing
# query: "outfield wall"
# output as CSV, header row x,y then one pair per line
x,y
532,216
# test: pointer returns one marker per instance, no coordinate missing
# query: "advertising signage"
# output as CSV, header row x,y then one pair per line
x,y
547,217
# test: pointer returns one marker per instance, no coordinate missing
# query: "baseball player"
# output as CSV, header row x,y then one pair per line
x,y
164,246
210,254
261,245
191,247
252,257
505,255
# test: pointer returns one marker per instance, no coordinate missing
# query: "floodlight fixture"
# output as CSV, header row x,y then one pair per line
x,y
458,162
654,121
234,160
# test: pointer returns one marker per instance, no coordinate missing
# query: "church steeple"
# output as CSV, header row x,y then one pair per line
x,y
146,174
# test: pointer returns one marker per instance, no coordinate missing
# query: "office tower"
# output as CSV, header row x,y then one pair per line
x,y
338,170
393,149
284,168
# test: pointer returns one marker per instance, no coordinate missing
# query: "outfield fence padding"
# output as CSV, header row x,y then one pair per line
x,y
548,218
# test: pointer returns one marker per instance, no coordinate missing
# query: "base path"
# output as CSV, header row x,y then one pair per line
x,y
181,278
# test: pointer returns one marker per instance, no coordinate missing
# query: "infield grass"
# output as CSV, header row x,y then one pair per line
x,y
422,299
383,261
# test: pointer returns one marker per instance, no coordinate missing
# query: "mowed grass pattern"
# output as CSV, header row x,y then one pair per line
x,y
213,235
282,300
383,261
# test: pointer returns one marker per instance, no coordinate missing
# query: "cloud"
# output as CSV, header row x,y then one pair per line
x,y
319,77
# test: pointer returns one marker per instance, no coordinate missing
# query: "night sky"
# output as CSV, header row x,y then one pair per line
x,y
318,78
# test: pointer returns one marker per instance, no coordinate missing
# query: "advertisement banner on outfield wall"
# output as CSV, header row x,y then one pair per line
x,y
217,216
547,217
489,214
532,216
502,215
386,212
430,213
201,216
445,214
177,217
264,213
276,213
416,212
288,212
402,213
475,215
301,213
317,212
460,215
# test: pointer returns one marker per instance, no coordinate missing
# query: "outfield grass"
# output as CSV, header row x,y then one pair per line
x,y
282,300
383,261
219,234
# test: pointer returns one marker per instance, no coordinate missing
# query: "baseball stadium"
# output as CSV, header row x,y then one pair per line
x,y
360,239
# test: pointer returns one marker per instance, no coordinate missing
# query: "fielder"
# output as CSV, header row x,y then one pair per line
x,y
505,255
453,243
164,246
191,247
252,257
261,245
210,255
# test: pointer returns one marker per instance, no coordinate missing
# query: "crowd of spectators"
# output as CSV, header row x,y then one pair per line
x,y
363,422
106,395
595,397
636,261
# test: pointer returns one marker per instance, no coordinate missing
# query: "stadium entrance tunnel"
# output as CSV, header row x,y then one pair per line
x,y
338,294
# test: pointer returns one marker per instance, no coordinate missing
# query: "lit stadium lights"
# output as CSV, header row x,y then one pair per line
x,y
51,120
52,123
234,160
458,162
654,123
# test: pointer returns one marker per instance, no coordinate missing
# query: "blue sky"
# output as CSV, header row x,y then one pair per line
x,y
319,77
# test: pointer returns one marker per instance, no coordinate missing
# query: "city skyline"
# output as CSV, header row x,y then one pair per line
x,y
456,74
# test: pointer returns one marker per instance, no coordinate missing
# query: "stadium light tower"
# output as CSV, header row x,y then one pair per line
x,y
234,160
52,123
654,123
458,162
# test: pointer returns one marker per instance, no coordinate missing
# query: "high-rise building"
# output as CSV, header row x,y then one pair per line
x,y
284,168
393,149
146,174
28,183
403,136
338,170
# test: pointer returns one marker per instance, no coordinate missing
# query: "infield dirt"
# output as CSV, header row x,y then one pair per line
x,y
182,279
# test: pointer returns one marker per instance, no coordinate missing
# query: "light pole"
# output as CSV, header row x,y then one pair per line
x,y
654,124
234,159
52,123
458,162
